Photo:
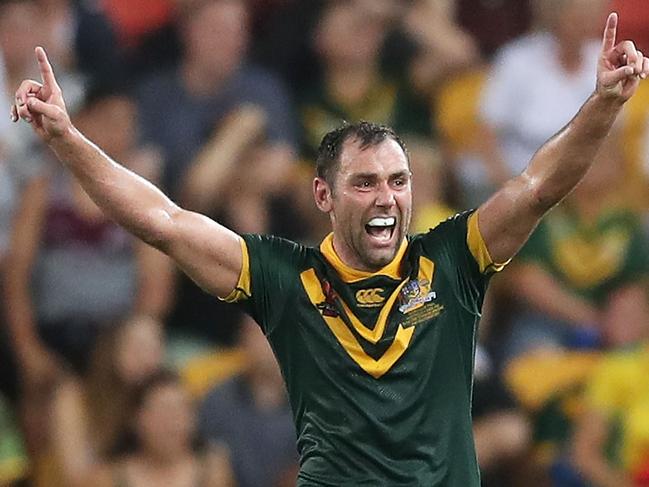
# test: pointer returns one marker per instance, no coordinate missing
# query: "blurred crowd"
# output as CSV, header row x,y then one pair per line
x,y
115,370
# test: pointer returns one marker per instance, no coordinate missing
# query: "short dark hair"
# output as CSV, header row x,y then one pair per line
x,y
367,133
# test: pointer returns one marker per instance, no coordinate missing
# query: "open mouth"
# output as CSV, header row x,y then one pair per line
x,y
381,228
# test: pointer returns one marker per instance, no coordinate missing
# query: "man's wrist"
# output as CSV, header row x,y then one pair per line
x,y
608,98
65,141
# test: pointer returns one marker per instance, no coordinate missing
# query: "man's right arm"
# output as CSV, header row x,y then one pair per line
x,y
208,252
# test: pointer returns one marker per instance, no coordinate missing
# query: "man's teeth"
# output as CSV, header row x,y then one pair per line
x,y
382,222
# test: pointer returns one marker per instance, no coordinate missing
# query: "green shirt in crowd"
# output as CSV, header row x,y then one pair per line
x,y
591,259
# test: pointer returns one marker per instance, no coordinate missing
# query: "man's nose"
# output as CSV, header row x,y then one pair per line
x,y
385,196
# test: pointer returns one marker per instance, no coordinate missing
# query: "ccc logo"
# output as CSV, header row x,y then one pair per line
x,y
370,297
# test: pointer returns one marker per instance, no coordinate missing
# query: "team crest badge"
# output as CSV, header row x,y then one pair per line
x,y
415,294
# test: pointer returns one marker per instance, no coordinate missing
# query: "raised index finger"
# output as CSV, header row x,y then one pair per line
x,y
610,32
49,81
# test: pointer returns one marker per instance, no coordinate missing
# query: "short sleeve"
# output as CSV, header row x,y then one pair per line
x,y
269,278
457,246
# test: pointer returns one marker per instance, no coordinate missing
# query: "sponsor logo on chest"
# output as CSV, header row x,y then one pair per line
x,y
370,298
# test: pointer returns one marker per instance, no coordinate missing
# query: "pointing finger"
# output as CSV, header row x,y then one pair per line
x,y
47,75
610,32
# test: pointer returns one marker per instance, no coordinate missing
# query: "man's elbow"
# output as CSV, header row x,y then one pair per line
x,y
162,228
540,197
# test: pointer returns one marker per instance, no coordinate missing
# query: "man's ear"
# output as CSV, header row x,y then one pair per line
x,y
323,195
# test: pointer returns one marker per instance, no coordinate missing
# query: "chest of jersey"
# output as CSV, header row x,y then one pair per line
x,y
374,321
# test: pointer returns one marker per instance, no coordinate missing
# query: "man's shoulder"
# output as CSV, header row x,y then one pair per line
x,y
274,242
455,223
274,251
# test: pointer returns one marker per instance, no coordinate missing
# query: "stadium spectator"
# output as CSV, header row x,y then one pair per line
x,y
90,414
250,414
160,448
585,249
215,80
221,124
73,271
525,103
352,86
611,440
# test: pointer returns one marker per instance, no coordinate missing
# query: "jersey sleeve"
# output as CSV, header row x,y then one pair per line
x,y
268,279
457,245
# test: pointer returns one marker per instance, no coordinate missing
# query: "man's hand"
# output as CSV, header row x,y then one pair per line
x,y
620,66
41,104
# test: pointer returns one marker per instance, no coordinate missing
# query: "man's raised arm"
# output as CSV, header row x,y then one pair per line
x,y
208,252
509,216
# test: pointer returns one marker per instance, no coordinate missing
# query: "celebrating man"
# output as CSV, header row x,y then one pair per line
x,y
374,331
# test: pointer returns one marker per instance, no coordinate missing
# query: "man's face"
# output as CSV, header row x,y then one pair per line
x,y
370,204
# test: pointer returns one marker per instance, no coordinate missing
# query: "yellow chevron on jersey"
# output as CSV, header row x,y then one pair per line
x,y
375,367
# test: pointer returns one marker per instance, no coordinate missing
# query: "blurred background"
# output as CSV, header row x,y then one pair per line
x,y
115,370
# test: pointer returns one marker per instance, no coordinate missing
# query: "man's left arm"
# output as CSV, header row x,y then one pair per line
x,y
509,216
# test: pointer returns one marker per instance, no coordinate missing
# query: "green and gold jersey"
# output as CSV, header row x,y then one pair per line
x,y
590,258
378,366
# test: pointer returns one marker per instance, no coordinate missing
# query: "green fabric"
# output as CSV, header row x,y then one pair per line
x,y
412,425
612,251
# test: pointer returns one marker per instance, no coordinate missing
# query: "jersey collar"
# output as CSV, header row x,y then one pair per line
x,y
349,274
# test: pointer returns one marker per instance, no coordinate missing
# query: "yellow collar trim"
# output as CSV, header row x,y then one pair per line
x,y
349,274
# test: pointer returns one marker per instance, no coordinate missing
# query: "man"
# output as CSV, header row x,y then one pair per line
x,y
374,332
